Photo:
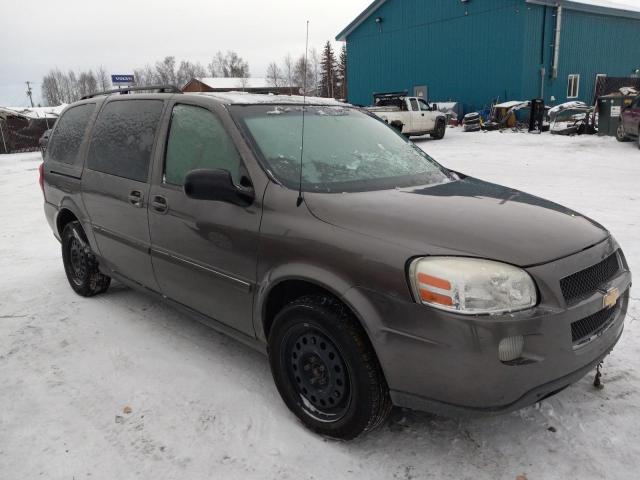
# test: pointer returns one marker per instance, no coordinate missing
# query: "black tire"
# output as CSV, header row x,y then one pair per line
x,y
397,126
439,132
620,135
325,368
80,263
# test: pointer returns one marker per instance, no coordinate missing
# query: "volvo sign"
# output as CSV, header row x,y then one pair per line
x,y
122,80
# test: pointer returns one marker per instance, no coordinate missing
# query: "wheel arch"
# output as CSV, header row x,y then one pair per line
x,y
68,211
64,217
292,282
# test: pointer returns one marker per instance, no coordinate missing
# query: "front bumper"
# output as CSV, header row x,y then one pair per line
x,y
447,363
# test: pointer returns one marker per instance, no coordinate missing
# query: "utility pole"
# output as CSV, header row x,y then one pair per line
x,y
29,93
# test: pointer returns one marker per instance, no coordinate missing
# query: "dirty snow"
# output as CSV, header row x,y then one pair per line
x,y
122,387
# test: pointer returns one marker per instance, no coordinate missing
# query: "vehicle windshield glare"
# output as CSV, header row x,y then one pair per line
x,y
344,149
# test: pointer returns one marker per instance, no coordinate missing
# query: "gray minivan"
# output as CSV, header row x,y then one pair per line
x,y
371,275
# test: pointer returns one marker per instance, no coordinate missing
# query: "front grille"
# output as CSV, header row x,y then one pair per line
x,y
585,282
593,324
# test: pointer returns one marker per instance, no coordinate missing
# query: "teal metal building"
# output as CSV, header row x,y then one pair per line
x,y
478,51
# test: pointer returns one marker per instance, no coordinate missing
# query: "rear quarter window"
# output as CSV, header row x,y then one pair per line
x,y
64,145
123,138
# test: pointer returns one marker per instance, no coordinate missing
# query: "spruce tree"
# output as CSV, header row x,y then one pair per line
x,y
342,72
328,75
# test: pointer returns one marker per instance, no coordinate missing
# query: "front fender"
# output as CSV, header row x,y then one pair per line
x,y
309,273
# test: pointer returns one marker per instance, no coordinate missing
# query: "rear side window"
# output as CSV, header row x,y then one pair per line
x,y
197,139
64,145
123,138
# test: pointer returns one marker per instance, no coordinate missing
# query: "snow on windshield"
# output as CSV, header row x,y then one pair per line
x,y
342,146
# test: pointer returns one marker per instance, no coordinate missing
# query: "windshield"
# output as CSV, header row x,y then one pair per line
x,y
344,149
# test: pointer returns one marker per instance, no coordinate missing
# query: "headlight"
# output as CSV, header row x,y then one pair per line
x,y
471,285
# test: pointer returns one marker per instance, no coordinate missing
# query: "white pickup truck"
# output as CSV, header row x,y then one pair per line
x,y
411,116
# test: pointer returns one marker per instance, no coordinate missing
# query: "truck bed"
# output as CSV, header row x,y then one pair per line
x,y
388,108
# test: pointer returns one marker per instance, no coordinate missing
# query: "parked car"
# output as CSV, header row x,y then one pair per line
x,y
411,116
369,274
629,127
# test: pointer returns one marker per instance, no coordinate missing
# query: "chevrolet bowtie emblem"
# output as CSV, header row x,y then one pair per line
x,y
610,298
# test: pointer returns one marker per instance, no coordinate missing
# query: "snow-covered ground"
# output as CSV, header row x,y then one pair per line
x,y
203,406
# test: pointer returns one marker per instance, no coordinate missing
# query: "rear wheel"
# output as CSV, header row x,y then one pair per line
x,y
325,368
438,133
621,136
80,263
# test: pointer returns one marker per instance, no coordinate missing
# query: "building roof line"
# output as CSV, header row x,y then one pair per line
x,y
604,8
366,13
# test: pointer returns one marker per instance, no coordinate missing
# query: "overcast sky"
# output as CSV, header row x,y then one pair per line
x,y
37,35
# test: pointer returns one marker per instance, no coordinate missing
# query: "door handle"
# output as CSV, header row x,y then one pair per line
x,y
159,204
135,198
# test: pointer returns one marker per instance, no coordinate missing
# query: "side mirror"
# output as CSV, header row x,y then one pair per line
x,y
216,185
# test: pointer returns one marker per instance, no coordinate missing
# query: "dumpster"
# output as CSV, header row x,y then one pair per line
x,y
609,109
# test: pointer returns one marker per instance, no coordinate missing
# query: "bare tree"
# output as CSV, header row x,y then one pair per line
x,y
315,67
166,71
87,83
188,71
51,90
104,82
146,75
288,72
301,69
58,87
244,83
229,64
238,67
274,75
216,64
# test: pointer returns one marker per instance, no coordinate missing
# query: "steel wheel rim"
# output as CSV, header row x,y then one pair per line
x,y
317,372
77,262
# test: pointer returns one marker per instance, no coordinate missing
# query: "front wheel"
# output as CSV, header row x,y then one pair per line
x,y
80,263
325,368
621,136
438,133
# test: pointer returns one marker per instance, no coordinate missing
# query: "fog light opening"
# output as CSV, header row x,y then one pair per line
x,y
510,348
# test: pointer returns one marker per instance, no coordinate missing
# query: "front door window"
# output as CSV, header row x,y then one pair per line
x,y
197,139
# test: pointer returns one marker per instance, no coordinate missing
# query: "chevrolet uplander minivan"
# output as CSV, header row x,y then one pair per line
x,y
370,274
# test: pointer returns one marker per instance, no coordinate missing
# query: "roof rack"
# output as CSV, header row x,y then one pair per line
x,y
126,90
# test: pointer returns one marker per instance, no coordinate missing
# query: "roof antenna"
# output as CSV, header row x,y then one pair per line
x,y
304,103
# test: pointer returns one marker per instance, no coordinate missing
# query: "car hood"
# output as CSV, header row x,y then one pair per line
x,y
467,216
